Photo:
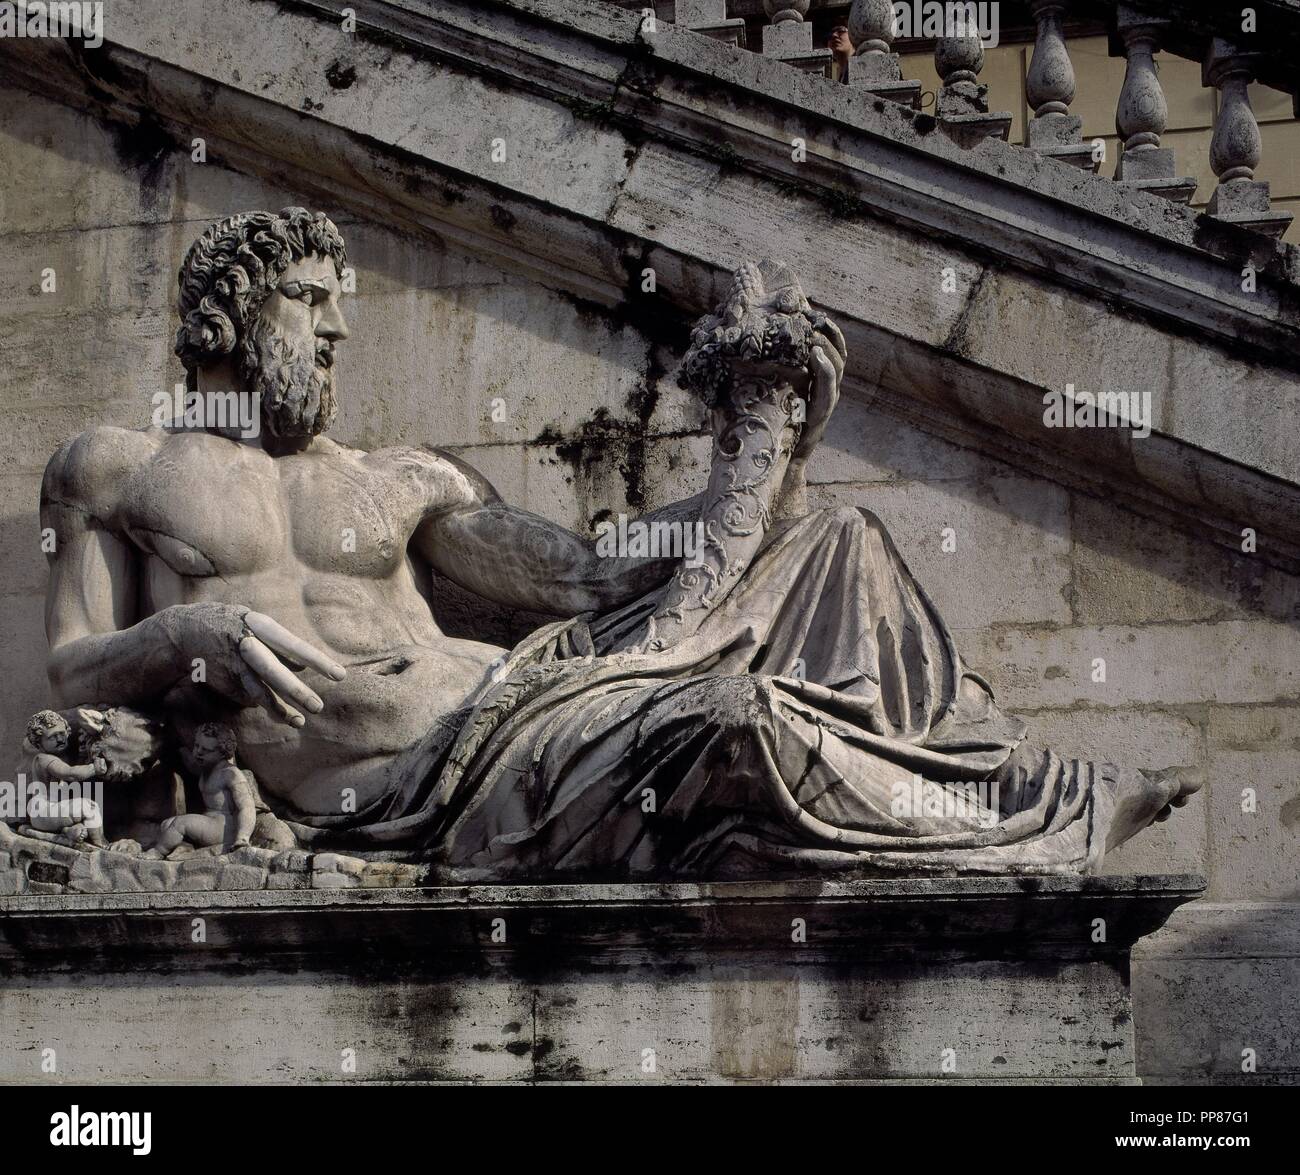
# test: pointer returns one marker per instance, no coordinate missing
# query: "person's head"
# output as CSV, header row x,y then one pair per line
x,y
49,731
840,46
214,742
261,289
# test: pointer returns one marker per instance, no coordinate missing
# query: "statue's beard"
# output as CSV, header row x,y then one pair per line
x,y
292,382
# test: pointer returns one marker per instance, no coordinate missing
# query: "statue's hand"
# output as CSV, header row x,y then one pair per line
x,y
240,652
91,718
826,367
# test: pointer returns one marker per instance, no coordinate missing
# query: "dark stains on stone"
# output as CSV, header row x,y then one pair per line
x,y
308,105
956,340
340,75
48,873
924,123
144,148
503,218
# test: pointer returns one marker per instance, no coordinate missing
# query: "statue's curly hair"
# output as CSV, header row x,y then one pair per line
x,y
221,734
43,723
232,269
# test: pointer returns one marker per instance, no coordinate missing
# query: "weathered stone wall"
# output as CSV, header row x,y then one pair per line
x,y
572,411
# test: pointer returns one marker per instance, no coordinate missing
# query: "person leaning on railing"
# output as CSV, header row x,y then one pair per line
x,y
841,50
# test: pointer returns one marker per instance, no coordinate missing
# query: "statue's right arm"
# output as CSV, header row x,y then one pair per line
x,y
99,647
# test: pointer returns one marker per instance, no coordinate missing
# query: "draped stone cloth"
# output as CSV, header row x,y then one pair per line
x,y
770,742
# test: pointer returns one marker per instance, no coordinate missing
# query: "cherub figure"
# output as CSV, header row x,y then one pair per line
x,y
230,809
74,818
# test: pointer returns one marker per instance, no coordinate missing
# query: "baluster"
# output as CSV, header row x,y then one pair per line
x,y
1142,113
1054,131
1236,147
962,105
789,37
710,18
873,66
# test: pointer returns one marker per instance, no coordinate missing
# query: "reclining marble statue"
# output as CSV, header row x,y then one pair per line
x,y
751,711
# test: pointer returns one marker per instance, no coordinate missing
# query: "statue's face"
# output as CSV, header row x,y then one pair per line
x,y
55,741
287,356
206,751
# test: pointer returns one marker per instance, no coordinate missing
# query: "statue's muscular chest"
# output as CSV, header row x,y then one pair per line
x,y
206,507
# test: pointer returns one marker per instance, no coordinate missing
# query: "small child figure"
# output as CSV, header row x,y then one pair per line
x,y
74,818
230,807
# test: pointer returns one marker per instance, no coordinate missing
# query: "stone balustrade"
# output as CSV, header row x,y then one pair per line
x,y
1234,51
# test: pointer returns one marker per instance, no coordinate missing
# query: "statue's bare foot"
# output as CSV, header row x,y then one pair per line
x,y
1145,797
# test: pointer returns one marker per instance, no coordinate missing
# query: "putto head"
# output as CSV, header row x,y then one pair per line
x,y
214,742
48,726
261,289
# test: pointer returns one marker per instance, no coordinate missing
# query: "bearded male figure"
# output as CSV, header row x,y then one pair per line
x,y
753,713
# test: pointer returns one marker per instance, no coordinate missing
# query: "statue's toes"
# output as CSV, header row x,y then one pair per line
x,y
1189,783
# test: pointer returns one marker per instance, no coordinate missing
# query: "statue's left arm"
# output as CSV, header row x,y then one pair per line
x,y
522,560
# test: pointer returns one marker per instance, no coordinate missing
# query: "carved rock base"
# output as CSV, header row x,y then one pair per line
x,y
43,866
905,980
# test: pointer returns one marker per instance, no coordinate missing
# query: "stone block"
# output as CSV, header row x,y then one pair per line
x,y
1012,545
321,880
1161,665
1254,822
1133,570
337,863
240,877
292,861
1218,979
590,982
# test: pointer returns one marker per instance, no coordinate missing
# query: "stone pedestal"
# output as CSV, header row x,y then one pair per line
x,y
710,18
1154,169
881,74
792,42
904,980
1247,202
963,112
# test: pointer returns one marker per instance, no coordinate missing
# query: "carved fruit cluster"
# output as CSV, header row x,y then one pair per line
x,y
756,324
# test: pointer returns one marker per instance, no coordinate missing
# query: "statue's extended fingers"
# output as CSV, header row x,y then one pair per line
x,y
269,700
836,337
273,634
265,664
825,378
